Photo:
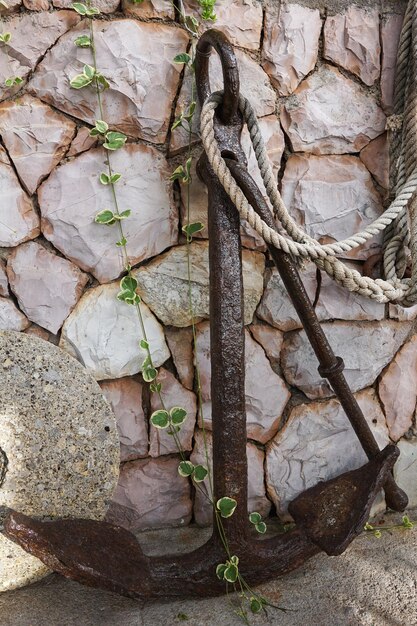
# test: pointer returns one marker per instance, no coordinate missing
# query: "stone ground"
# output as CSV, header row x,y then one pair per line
x,y
373,584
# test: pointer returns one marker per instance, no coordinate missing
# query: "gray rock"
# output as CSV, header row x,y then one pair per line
x,y
405,469
365,347
180,343
60,438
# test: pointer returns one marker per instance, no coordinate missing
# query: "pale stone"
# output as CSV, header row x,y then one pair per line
x,y
266,394
36,5
351,40
163,284
18,218
318,443
405,469
12,6
390,37
82,142
105,6
335,301
239,20
60,438
254,85
31,36
151,494
330,114
4,285
47,287
137,60
291,45
103,334
376,158
257,500
180,343
149,9
73,195
401,313
398,389
173,394
10,316
332,197
125,398
36,138
270,339
366,349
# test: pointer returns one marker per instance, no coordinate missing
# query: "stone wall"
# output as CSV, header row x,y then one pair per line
x,y
320,75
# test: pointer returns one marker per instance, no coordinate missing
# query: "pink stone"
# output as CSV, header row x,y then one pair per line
x,y
316,444
180,343
31,36
390,37
265,392
366,348
376,158
257,500
330,114
402,314
68,220
290,46
239,20
47,287
173,394
125,398
36,138
332,197
18,218
151,494
10,316
351,40
335,301
143,82
270,339
12,6
148,9
37,331
105,6
36,5
398,389
82,142
4,284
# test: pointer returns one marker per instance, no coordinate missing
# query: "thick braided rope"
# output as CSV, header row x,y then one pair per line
x,y
299,243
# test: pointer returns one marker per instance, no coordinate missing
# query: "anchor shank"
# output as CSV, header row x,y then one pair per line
x,y
331,366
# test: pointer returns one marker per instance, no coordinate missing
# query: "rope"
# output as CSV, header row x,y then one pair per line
x,y
399,221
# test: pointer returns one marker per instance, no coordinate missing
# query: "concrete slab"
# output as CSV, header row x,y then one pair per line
x,y
373,584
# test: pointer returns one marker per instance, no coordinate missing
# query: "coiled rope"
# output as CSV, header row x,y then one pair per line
x,y
399,221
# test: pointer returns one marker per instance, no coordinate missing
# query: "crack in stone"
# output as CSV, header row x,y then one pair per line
x,y
4,463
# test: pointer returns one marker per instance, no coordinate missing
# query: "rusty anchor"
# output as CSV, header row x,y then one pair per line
x,y
328,516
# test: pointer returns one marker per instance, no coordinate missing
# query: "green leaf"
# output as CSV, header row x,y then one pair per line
x,y
182,58
182,617
407,523
178,173
255,605
149,374
102,81
9,82
129,297
18,80
155,387
89,71
5,37
231,573
80,8
191,23
104,178
178,415
92,11
226,506
128,283
115,178
114,140
255,518
83,41
187,177
200,473
144,344
160,419
122,242
234,560
261,527
124,214
177,123
220,570
185,469
172,430
80,81
190,112
105,217
192,229
13,80
101,126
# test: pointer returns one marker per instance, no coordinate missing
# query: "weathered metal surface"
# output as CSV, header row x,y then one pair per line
x,y
329,516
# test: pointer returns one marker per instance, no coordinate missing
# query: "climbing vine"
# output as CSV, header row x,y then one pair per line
x,y
5,38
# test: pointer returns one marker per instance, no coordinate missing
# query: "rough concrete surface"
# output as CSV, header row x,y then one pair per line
x,y
373,584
